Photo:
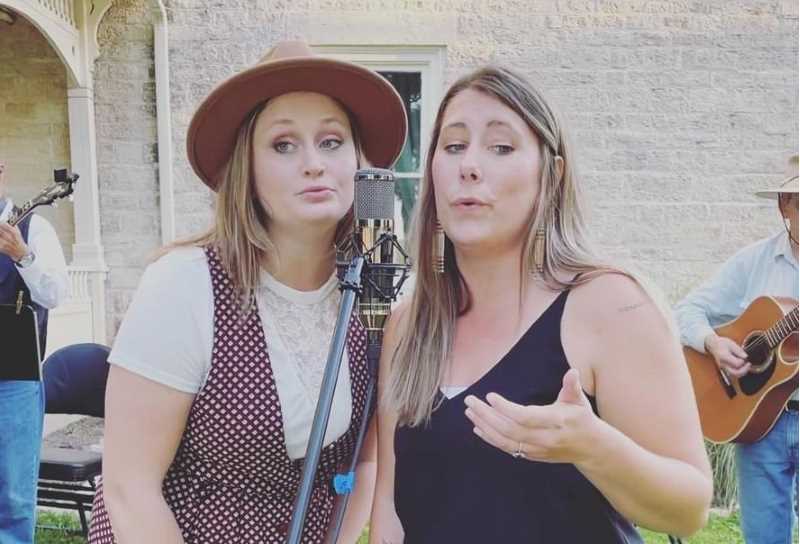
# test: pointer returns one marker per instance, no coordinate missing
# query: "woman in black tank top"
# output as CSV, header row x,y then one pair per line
x,y
530,391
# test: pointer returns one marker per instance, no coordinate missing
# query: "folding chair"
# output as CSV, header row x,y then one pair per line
x,y
75,383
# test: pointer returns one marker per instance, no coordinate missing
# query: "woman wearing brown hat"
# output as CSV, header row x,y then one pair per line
x,y
218,363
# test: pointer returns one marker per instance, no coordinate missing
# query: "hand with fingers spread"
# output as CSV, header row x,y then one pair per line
x,y
11,242
558,433
728,354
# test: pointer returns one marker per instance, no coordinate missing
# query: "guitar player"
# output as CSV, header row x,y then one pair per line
x,y
31,261
766,469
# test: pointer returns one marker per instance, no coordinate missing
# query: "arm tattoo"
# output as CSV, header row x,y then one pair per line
x,y
631,307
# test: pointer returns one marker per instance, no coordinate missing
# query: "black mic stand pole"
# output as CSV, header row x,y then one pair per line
x,y
373,356
378,282
351,285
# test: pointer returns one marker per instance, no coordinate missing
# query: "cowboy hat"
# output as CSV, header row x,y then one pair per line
x,y
288,67
788,185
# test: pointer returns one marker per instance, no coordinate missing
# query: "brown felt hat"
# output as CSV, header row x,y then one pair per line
x,y
289,67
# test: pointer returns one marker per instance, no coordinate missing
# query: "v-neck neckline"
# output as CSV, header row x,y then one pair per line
x,y
500,362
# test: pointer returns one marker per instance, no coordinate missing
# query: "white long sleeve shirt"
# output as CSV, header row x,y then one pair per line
x,y
46,278
766,267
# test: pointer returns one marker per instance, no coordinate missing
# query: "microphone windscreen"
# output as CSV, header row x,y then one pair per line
x,y
374,194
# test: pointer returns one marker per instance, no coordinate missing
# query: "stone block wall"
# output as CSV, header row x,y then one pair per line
x,y
678,109
125,118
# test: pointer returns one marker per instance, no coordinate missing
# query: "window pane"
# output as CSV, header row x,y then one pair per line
x,y
406,190
409,85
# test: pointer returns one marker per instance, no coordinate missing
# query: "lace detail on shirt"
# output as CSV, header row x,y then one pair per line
x,y
305,325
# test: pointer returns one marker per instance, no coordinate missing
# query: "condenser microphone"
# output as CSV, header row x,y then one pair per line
x,y
374,238
368,263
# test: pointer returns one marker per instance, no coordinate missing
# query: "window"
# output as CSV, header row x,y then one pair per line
x,y
408,167
417,74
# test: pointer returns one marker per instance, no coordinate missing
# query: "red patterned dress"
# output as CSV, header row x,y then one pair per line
x,y
232,480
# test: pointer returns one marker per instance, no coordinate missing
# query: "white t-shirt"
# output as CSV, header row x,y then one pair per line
x,y
168,333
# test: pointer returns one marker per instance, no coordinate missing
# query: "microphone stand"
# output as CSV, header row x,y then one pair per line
x,y
373,355
379,278
351,285
379,282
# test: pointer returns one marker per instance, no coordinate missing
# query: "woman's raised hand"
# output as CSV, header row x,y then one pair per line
x,y
562,432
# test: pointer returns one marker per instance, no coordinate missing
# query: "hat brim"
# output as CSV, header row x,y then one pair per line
x,y
375,104
783,189
774,193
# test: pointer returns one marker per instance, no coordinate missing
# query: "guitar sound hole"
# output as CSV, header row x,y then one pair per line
x,y
758,351
760,357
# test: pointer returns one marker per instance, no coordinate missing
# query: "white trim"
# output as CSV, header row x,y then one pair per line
x,y
62,33
87,251
83,160
166,183
428,60
88,14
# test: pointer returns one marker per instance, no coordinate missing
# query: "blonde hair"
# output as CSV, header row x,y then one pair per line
x,y
428,325
240,231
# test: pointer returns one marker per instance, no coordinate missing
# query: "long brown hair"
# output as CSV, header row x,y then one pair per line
x,y
420,361
240,231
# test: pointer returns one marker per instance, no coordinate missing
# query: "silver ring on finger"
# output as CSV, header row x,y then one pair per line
x,y
518,454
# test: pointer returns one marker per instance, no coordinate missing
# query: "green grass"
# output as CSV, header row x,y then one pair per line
x,y
63,520
720,530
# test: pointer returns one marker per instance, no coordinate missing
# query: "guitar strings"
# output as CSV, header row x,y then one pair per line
x,y
765,337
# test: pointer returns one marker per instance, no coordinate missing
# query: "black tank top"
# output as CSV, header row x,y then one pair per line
x,y
452,487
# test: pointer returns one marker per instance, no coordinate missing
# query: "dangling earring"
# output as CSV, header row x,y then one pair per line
x,y
438,247
539,245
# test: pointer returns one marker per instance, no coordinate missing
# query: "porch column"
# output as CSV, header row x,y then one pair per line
x,y
88,249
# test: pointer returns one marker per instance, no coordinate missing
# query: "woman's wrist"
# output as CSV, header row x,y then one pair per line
x,y
604,444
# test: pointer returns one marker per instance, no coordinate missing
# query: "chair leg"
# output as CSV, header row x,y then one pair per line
x,y
84,525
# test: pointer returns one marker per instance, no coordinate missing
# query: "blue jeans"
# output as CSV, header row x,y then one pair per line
x,y
21,420
767,472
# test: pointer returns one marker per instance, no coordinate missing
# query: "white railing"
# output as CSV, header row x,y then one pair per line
x,y
80,318
79,288
63,9
72,321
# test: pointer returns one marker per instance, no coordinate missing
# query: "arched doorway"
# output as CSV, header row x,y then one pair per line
x,y
49,123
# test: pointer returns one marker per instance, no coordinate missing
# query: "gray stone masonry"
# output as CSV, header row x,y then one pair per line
x,y
678,109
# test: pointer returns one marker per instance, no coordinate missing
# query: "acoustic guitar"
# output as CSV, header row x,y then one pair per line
x,y
745,409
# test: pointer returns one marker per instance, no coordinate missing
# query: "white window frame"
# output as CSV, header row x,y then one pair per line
x,y
427,60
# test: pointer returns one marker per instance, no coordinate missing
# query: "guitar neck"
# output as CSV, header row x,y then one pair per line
x,y
62,188
18,215
783,328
